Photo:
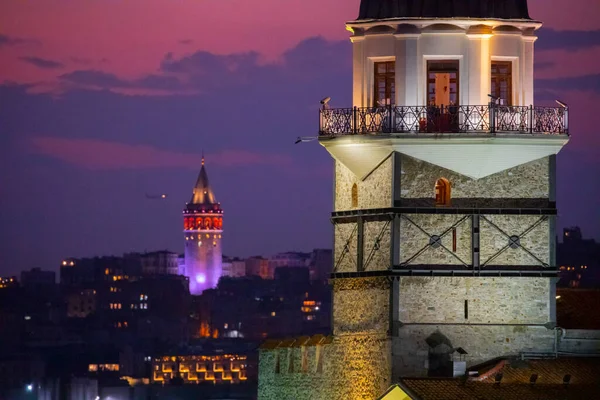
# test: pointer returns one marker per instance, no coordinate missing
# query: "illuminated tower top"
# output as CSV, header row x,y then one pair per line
x,y
203,194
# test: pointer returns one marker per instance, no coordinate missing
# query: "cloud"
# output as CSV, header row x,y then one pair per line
x,y
105,155
313,61
569,40
581,83
186,41
94,79
6,40
42,62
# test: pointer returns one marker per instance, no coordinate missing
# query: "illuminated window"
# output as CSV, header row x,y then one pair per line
x,y
442,82
502,81
273,313
442,192
384,83
354,195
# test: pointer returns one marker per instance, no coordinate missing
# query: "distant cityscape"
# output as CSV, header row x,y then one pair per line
x,y
116,322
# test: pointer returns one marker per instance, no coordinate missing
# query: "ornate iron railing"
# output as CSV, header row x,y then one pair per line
x,y
444,119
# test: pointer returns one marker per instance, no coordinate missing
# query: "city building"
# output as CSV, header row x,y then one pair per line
x,y
234,267
578,260
8,282
444,203
203,230
321,264
160,263
259,266
289,259
36,279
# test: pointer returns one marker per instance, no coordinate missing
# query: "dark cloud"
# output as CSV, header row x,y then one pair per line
x,y
6,40
570,40
186,41
42,62
584,83
312,62
95,78
542,65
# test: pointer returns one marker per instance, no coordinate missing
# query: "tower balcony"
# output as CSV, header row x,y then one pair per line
x,y
489,119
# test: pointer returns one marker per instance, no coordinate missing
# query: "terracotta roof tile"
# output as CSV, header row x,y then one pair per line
x,y
515,384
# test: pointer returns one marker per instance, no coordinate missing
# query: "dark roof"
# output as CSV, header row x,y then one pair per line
x,y
515,384
497,9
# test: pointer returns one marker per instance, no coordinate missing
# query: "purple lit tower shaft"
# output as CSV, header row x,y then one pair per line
x,y
203,229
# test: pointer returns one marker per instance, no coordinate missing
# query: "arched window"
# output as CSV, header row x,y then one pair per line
x,y
198,223
354,196
442,192
207,223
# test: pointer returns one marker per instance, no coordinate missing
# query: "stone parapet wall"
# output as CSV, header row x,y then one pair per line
x,y
374,192
353,367
495,300
412,353
361,306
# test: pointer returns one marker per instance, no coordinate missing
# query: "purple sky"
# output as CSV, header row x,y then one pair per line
x,y
103,102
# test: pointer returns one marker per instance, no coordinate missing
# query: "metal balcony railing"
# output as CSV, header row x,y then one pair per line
x,y
444,119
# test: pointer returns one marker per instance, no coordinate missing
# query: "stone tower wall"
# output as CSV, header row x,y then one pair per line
x,y
203,263
528,182
375,191
352,368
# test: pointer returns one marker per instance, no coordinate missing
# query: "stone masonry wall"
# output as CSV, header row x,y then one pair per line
x,y
377,248
536,239
361,306
505,316
353,368
374,192
527,181
498,300
482,343
344,260
415,235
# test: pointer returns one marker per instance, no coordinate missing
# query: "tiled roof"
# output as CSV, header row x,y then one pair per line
x,y
578,308
515,383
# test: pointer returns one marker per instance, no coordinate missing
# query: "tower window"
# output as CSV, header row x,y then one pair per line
x,y
502,81
385,83
442,192
354,196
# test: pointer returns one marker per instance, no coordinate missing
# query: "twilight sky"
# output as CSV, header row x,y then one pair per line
x,y
104,101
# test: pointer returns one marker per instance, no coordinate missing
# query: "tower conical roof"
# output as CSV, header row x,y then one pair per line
x,y
203,193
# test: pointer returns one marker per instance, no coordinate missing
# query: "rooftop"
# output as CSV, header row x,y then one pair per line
x,y
515,383
486,9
